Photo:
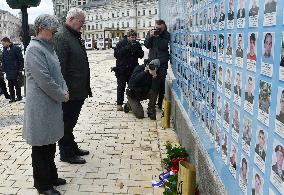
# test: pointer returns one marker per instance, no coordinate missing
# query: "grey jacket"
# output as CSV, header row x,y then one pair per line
x,y
158,47
43,116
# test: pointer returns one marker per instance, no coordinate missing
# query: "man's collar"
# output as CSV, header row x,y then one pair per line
x,y
76,33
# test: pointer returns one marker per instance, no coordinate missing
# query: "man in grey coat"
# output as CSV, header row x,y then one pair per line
x,y
157,41
75,69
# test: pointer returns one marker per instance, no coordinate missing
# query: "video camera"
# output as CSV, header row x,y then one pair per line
x,y
157,31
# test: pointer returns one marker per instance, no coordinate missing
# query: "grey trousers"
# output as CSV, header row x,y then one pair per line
x,y
137,108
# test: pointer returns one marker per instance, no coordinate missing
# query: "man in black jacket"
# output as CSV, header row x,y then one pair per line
x,y
126,52
157,41
76,72
2,82
139,88
13,63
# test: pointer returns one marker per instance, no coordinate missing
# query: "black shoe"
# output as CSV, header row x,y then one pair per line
x,y
19,98
152,115
74,160
80,152
11,101
59,182
51,191
7,96
126,108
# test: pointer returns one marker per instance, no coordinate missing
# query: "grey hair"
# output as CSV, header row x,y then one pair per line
x,y
75,12
45,21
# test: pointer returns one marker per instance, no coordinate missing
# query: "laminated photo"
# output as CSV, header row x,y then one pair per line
x,y
279,121
217,139
219,109
221,48
233,160
241,14
215,17
257,183
251,55
246,138
277,168
260,148
264,102
220,79
267,54
222,16
214,49
238,88
226,120
253,13
270,8
240,50
225,148
281,67
243,178
230,15
236,124
229,49
249,94
228,77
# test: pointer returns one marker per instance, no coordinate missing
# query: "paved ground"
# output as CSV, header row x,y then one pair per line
x,y
125,152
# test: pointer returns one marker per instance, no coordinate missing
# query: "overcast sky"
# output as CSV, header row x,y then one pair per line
x,y
45,7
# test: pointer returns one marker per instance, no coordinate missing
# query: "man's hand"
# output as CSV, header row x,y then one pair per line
x,y
66,96
151,32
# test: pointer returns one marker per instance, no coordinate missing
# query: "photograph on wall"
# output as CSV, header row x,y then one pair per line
x,y
238,88
221,48
260,148
215,17
217,139
265,89
229,49
236,124
243,178
249,94
209,45
233,160
279,121
209,20
212,129
230,16
207,123
267,54
213,73
219,109
270,8
246,138
281,67
251,55
214,50
220,78
277,168
253,13
225,147
200,20
205,19
257,184
226,120
213,100
228,77
239,50
241,14
222,16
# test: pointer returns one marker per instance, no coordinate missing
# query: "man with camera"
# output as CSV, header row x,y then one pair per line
x,y
157,41
139,87
126,52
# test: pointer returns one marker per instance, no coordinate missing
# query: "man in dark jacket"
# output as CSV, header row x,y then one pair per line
x,y
139,87
126,52
2,81
76,72
13,63
157,42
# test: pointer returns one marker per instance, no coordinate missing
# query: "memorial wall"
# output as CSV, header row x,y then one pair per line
x,y
228,60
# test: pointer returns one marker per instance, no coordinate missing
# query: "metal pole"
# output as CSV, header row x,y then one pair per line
x,y
26,36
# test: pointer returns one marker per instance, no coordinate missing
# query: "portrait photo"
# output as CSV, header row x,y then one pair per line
x,y
229,45
268,48
252,47
280,105
270,6
257,184
233,156
240,51
277,168
249,93
260,147
264,96
222,12
244,170
236,120
238,84
254,8
247,128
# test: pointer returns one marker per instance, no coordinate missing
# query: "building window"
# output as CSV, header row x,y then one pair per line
x,y
96,26
79,3
117,25
122,24
97,17
101,26
112,25
127,24
117,14
143,24
97,36
89,27
150,24
156,11
138,13
122,14
101,17
112,15
93,27
143,12
149,12
127,13
143,34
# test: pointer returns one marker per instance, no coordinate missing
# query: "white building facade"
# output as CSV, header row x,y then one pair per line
x,y
10,26
113,18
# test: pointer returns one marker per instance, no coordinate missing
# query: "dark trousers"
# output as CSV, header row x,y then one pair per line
x,y
158,84
71,112
44,168
3,87
12,85
121,84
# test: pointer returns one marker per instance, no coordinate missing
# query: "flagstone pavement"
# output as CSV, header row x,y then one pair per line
x,y
125,152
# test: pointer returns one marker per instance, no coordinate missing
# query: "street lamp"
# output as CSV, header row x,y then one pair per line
x,y
23,5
